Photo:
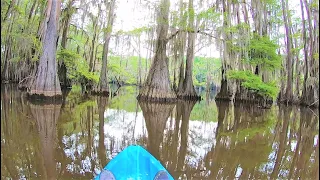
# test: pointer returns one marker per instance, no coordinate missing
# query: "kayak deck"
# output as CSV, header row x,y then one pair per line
x,y
134,163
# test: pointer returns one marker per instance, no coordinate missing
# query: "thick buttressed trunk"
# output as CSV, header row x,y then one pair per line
x,y
157,85
47,82
188,91
62,72
156,116
245,95
103,88
46,117
224,93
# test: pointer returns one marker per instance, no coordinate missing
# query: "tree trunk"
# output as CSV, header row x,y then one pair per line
x,y
95,21
225,92
62,68
188,91
157,86
310,90
288,96
47,81
182,36
103,88
139,70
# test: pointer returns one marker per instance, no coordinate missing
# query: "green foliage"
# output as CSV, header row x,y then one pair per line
x,y
128,70
208,14
254,83
205,66
262,51
204,112
126,100
78,68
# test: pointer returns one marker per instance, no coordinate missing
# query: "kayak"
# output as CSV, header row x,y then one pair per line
x,y
134,163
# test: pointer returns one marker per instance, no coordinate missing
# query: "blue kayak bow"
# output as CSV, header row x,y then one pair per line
x,y
134,163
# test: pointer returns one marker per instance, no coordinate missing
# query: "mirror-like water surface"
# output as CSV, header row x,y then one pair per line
x,y
206,140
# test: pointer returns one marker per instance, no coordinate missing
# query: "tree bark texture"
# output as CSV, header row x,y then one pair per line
x,y
103,88
288,96
188,91
47,81
62,68
157,85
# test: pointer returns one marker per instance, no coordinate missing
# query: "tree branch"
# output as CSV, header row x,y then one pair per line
x,y
191,31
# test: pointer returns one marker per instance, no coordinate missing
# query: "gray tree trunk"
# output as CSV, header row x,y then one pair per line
x,y
103,83
47,81
157,86
188,91
288,97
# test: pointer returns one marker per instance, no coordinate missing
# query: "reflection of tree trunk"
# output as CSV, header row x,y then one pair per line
x,y
282,141
102,148
89,125
307,138
46,117
222,112
296,153
213,156
173,155
156,116
186,108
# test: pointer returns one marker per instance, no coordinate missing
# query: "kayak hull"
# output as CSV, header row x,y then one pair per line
x,y
135,163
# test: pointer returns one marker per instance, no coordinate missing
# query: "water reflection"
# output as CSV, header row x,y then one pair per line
x,y
205,140
46,120
156,116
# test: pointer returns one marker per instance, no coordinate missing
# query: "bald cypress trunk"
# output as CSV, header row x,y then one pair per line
x,y
310,90
103,87
47,81
225,92
182,36
288,96
188,91
62,68
157,86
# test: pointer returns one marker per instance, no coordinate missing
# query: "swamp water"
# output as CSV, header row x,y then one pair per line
x,y
193,140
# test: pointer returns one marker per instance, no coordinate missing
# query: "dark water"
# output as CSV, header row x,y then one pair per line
x,y
205,140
